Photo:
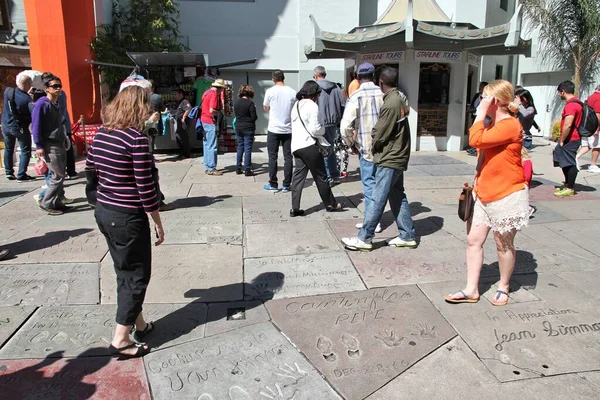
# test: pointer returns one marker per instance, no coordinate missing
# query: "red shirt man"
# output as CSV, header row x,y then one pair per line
x,y
594,141
565,153
211,103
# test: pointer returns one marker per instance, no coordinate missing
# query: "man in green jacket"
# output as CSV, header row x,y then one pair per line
x,y
391,152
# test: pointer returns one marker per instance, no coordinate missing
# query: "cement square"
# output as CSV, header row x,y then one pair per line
x,y
546,193
206,202
49,284
225,317
299,275
196,174
89,329
582,210
186,273
458,371
434,182
200,225
52,245
175,189
544,214
362,340
572,232
448,169
73,378
11,319
294,237
237,189
8,195
249,363
587,281
432,160
556,335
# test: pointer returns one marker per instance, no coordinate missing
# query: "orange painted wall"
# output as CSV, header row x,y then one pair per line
x,y
60,32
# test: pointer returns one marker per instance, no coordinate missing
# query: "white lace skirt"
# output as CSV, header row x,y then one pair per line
x,y
511,212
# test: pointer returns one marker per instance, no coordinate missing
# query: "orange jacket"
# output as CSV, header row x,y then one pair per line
x,y
500,170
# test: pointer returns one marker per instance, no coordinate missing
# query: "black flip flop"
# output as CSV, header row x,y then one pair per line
x,y
338,207
116,352
139,336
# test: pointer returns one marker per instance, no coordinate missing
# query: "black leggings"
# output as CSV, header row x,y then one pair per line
x,y
570,173
310,159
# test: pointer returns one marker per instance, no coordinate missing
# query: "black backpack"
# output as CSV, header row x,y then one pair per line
x,y
12,105
589,120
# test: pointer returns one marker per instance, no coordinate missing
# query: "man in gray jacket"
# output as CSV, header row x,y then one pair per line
x,y
331,108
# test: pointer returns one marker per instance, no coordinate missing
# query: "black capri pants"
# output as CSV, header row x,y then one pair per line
x,y
129,242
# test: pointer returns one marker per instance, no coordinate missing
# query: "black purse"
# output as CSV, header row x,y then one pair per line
x,y
324,150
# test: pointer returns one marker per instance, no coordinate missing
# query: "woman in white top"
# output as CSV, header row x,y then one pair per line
x,y
306,131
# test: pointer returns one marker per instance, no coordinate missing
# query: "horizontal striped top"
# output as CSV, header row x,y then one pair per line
x,y
123,162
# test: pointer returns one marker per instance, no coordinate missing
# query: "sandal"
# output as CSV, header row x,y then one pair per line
x,y
139,336
464,299
498,294
337,207
116,352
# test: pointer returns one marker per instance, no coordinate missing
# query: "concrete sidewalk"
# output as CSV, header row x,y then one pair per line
x,y
252,304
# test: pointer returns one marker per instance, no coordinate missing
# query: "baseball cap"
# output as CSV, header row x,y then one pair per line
x,y
365,69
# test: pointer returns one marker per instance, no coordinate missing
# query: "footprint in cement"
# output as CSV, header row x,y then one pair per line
x,y
324,346
352,344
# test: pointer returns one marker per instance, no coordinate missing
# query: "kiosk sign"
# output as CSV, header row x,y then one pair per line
x,y
443,56
383,57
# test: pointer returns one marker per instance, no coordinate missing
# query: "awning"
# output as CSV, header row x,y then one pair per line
x,y
14,56
154,59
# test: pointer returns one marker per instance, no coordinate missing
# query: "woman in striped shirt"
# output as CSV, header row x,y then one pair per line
x,y
126,195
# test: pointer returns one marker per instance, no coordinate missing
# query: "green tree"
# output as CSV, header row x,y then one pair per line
x,y
137,25
569,35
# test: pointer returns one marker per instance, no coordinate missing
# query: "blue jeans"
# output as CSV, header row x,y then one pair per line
x,y
210,147
389,184
244,149
367,177
46,181
333,173
10,140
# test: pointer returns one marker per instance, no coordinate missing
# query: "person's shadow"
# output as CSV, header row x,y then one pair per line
x,y
49,239
184,320
67,383
524,276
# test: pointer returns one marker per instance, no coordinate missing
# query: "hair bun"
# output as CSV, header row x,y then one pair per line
x,y
513,107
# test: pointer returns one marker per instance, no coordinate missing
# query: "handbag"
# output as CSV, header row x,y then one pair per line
x,y
324,150
40,167
466,203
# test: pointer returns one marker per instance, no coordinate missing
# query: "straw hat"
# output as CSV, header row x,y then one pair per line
x,y
220,83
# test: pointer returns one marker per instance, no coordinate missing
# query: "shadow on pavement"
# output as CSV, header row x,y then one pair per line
x,y
45,381
49,239
199,201
261,289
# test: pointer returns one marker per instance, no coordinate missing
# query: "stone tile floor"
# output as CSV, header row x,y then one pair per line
x,y
252,304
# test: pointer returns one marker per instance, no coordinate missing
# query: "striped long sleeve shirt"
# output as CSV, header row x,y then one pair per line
x,y
361,113
123,162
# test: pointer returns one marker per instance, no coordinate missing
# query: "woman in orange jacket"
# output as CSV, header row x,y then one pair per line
x,y
502,199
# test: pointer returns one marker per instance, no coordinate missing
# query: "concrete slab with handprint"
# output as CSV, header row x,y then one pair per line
x,y
362,340
254,362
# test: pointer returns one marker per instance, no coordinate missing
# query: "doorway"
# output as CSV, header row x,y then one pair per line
x,y
434,86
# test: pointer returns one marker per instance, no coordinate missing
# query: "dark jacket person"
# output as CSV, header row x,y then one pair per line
x,y
391,151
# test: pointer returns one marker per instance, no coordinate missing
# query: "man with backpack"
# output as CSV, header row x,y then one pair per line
x,y
16,117
179,114
594,141
571,124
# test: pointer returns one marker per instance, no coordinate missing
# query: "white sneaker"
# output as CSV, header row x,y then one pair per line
x,y
37,199
377,228
355,243
397,242
594,169
577,164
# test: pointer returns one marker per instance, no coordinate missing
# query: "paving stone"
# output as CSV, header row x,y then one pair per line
x,y
573,232
202,225
361,340
48,284
8,195
231,189
174,189
554,335
281,239
80,219
225,317
76,378
11,319
582,210
544,214
434,182
186,273
432,160
459,373
588,281
300,275
415,172
196,174
441,196
73,330
52,245
448,169
206,202
546,193
253,362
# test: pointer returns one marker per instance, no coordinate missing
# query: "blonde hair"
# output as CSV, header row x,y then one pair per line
x,y
504,92
525,154
129,109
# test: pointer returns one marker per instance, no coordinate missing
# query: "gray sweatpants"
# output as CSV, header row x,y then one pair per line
x,y
56,158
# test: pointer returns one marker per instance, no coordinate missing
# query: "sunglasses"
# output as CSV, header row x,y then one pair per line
x,y
56,86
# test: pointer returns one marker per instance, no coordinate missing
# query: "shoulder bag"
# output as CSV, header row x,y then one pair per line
x,y
324,150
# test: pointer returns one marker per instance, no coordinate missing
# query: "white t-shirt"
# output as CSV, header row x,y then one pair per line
x,y
280,99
